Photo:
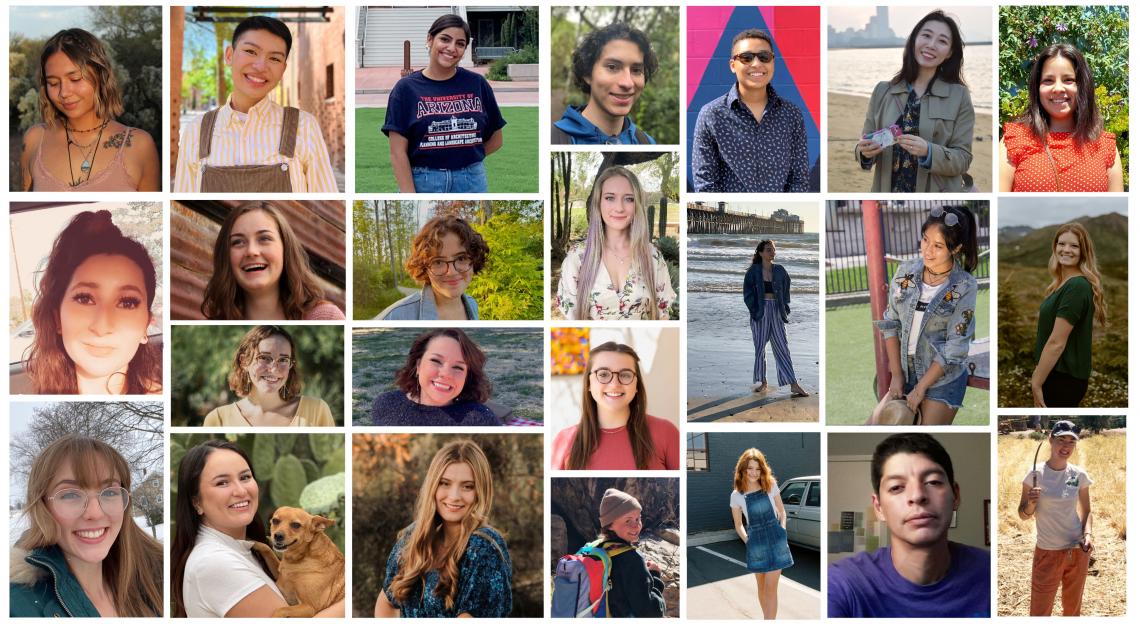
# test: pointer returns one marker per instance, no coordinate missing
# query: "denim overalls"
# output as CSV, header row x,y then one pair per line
x,y
767,546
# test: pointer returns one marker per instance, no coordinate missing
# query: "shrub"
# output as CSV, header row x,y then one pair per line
x,y
498,70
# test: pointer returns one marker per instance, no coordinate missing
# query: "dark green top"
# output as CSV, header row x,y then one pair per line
x,y
1073,301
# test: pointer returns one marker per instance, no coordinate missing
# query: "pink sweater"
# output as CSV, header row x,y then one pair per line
x,y
323,311
614,451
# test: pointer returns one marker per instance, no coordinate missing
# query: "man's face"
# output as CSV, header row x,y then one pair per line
x,y
257,62
757,73
617,79
915,499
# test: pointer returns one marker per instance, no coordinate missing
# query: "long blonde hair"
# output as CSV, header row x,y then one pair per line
x,y
1087,267
426,539
740,481
640,246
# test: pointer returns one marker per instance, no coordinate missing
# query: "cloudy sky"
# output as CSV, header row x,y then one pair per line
x,y
1041,211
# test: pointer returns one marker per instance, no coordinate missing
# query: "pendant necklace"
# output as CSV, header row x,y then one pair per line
x,y
88,152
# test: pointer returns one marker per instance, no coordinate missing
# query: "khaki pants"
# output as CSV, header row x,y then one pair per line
x,y
1067,568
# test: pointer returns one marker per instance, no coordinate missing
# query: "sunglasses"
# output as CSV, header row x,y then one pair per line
x,y
747,57
949,218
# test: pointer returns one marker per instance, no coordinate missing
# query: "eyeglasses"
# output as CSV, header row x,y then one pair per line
x,y
72,502
747,57
624,376
269,361
438,266
949,218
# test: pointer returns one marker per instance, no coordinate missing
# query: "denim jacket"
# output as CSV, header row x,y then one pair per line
x,y
754,290
947,326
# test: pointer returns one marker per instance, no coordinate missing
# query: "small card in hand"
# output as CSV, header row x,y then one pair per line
x,y
885,137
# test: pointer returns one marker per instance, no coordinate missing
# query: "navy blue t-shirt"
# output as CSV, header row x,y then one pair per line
x,y
445,121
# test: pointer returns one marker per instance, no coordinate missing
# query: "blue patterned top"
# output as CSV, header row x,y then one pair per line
x,y
484,580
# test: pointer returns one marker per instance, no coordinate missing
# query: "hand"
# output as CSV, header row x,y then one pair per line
x,y
652,565
914,399
1033,496
1038,396
868,149
1086,543
914,144
895,391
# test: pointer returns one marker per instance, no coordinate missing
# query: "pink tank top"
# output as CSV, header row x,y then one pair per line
x,y
112,179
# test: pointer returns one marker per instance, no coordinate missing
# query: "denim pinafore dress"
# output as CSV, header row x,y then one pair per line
x,y
767,547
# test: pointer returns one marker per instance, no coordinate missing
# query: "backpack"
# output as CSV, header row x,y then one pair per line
x,y
582,581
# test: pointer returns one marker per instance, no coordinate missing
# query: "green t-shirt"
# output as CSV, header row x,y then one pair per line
x,y
1073,301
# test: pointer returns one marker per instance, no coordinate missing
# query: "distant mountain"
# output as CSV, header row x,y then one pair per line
x,y
1109,235
1012,232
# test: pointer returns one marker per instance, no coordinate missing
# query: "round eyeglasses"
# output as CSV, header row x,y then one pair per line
x,y
72,502
624,376
270,361
438,266
949,218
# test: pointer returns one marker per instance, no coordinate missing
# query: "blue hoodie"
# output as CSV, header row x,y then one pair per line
x,y
582,132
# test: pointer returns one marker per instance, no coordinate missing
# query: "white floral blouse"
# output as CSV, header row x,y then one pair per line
x,y
607,301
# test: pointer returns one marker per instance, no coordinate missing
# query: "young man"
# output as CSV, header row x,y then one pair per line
x,y
750,140
923,574
611,66
252,144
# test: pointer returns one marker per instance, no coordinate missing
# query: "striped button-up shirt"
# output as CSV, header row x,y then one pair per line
x,y
254,138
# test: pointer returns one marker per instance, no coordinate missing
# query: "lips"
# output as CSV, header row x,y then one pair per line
x,y
255,81
921,519
240,506
252,268
98,351
91,536
622,99
441,386
453,508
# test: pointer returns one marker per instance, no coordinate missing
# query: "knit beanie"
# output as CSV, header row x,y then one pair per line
x,y
616,504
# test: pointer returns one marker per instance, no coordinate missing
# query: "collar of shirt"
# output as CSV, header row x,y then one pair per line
x,y
937,88
733,97
428,310
230,116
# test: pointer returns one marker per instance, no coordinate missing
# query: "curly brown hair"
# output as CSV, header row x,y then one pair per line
x,y
93,61
476,387
426,244
248,349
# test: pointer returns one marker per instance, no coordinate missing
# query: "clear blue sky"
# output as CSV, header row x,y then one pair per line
x,y
37,22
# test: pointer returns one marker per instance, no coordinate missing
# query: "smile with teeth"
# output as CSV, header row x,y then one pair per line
x,y
240,506
260,82
453,507
249,268
439,385
91,534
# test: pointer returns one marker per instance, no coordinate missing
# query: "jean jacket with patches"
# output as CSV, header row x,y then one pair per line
x,y
947,326
754,290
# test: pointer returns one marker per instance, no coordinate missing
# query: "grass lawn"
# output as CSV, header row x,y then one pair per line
x,y
851,367
512,169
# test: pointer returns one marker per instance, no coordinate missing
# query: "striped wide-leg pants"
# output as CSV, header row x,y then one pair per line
x,y
771,329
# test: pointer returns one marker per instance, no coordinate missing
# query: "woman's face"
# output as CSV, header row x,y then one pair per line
x,y
269,366
617,204
1068,250
1062,447
442,371
933,44
447,48
752,472
612,395
69,91
257,254
455,494
628,526
935,254
227,493
1058,88
452,283
103,315
769,252
85,534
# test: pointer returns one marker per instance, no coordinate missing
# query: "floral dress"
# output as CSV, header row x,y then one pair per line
x,y
609,302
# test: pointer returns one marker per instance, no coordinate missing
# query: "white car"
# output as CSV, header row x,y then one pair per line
x,y
801,497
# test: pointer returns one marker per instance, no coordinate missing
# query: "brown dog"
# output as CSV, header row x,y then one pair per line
x,y
894,412
311,574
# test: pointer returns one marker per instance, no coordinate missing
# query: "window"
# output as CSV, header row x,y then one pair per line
x,y
813,495
793,493
697,452
330,82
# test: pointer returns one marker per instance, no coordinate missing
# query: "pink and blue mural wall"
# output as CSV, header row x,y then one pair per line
x,y
795,31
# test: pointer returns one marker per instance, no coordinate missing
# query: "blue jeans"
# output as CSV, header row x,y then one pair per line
x,y
469,179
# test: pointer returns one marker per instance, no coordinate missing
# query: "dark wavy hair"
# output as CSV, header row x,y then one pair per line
x,y
92,59
1087,122
476,387
914,444
50,368
239,379
950,71
965,233
427,242
756,258
587,53
588,434
271,25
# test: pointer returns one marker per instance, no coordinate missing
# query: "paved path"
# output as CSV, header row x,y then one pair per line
x,y
720,586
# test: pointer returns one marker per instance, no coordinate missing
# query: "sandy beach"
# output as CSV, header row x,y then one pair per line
x,y
845,114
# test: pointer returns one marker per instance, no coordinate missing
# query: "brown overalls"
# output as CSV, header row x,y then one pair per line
x,y
249,178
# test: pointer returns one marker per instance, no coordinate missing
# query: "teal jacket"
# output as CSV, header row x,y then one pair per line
x,y
43,586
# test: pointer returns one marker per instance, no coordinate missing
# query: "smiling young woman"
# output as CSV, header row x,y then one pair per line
x,y
446,255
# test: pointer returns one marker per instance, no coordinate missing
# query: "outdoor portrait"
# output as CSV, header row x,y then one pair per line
x,y
447,99
85,504
257,260
258,525
445,377
910,99
753,288
908,519
236,376
632,522
753,106
86,293
614,398
447,260
758,556
1063,79
447,525
907,287
85,98
1061,523
614,228
257,100
614,75
1063,302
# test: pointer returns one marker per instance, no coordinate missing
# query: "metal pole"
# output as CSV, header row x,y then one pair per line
x,y
877,286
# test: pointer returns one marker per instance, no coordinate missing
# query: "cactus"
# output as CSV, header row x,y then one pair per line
x,y
264,453
324,496
288,481
312,470
334,464
323,445
285,442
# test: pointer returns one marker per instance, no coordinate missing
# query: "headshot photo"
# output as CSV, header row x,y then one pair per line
x,y
257,376
456,260
614,229
631,523
447,99
753,288
86,290
257,260
915,544
753,107
257,100
86,98
758,557
85,501
1062,302
258,525
615,75
918,271
447,377
927,95
447,526
1060,527
1064,99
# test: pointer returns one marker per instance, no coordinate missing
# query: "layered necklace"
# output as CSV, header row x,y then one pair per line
x,y
88,152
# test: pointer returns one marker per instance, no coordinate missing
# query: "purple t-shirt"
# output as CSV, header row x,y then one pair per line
x,y
867,585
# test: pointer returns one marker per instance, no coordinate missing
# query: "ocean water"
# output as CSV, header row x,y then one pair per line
x,y
720,354
856,71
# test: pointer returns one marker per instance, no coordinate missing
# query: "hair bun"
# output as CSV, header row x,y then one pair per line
x,y
96,223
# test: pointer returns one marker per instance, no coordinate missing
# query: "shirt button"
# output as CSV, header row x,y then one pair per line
x,y
284,166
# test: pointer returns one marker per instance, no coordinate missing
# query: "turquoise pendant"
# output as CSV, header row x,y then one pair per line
x,y
85,167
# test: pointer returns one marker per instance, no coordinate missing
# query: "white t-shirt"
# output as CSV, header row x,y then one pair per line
x,y
220,571
1058,525
736,499
924,298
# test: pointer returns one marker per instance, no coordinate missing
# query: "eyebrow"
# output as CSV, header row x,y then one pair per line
x,y
271,353
440,355
95,286
612,59
73,482
226,474
925,473
254,45
261,231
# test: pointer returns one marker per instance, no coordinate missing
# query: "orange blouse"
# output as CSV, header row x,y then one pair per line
x,y
1080,170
